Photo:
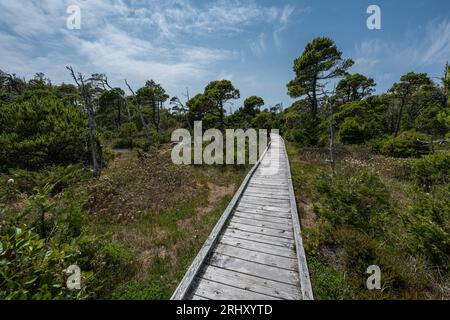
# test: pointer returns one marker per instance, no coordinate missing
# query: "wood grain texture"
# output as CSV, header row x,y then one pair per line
x,y
255,251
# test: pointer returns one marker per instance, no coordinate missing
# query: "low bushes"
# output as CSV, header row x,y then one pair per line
x,y
361,201
33,268
42,131
428,223
431,170
399,279
407,144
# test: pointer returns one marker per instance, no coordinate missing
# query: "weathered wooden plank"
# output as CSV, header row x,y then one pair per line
x,y
267,186
264,207
258,257
260,209
289,243
254,269
268,183
258,246
262,203
262,199
261,224
265,195
188,279
267,191
272,214
257,253
261,217
265,231
197,297
279,167
273,179
252,283
280,172
219,291
265,202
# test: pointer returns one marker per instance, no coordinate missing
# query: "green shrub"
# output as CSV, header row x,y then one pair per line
x,y
116,255
59,177
41,131
327,282
32,268
351,131
307,133
399,278
360,200
407,144
71,213
127,133
431,170
428,222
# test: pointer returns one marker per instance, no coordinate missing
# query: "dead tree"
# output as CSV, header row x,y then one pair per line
x,y
127,107
141,116
10,82
103,80
332,154
87,99
181,107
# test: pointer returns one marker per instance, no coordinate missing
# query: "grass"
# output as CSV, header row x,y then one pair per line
x,y
142,222
338,255
161,212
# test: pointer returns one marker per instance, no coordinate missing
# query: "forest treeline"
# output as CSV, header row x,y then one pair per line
x,y
50,134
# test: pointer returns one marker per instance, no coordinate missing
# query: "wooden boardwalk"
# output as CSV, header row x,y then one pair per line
x,y
255,251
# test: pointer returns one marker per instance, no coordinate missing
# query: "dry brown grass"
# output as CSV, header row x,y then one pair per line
x,y
161,211
133,185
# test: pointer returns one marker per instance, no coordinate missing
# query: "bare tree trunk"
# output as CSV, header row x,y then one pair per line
x,y
400,115
446,85
158,106
92,125
141,117
128,108
186,111
314,100
332,153
119,106
93,143
222,124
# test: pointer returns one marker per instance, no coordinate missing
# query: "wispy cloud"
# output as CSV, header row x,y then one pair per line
x,y
387,60
258,45
284,19
178,17
437,46
122,55
139,40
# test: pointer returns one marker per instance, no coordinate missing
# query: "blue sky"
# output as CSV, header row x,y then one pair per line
x,y
182,43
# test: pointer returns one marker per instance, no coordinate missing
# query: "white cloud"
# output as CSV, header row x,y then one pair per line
x,y
175,42
437,46
283,21
121,55
258,45
387,61
180,16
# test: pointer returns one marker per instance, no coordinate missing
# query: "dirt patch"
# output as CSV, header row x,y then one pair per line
x,y
147,247
215,195
123,156
332,254
308,217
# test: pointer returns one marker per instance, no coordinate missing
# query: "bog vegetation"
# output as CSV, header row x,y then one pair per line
x,y
86,179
